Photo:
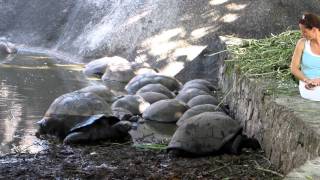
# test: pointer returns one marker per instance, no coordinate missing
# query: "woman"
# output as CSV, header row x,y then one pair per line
x,y
305,64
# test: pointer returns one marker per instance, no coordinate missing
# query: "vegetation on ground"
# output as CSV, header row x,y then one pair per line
x,y
267,58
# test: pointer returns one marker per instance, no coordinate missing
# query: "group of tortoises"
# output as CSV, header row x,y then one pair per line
x,y
95,113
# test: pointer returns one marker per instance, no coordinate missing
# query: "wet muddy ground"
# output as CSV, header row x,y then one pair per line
x,y
125,161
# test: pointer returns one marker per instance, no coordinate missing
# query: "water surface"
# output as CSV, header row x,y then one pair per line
x,y
28,85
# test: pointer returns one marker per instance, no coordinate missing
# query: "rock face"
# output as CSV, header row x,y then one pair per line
x,y
159,31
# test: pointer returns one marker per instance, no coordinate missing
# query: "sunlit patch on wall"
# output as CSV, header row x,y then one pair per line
x,y
229,18
172,68
161,45
235,7
198,33
217,2
136,18
190,52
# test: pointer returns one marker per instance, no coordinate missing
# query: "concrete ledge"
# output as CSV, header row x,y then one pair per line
x,y
287,127
310,170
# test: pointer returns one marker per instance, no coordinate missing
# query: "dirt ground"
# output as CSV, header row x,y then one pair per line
x,y
125,161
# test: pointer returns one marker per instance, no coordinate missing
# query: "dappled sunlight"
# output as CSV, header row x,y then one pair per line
x,y
29,142
71,67
212,15
142,58
136,18
11,123
235,7
143,106
160,45
9,102
172,68
190,52
201,32
38,57
230,17
178,114
217,2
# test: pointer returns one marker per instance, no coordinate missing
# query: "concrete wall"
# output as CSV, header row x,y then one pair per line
x,y
287,127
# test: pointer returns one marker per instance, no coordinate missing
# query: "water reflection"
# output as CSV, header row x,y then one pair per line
x,y
153,132
28,85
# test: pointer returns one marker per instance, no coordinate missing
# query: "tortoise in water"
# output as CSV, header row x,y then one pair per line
x,y
168,111
97,68
152,97
209,133
195,110
188,94
118,70
133,103
75,113
159,88
141,80
202,99
98,127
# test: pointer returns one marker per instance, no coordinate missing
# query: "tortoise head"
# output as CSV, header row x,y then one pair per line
x,y
42,129
123,126
48,125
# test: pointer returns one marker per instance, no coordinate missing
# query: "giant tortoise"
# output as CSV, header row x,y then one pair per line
x,y
73,118
167,111
159,88
143,79
119,70
203,99
133,103
187,94
152,97
204,82
100,90
208,133
195,110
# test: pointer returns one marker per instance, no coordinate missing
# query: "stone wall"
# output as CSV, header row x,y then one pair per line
x,y
287,132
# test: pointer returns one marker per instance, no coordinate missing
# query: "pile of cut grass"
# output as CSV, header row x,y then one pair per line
x,y
269,57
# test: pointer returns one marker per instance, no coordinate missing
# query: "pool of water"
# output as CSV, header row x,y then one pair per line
x,y
28,85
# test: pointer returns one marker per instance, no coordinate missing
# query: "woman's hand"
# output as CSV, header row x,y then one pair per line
x,y
316,82
311,83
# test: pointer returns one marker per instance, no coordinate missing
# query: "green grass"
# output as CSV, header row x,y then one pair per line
x,y
266,58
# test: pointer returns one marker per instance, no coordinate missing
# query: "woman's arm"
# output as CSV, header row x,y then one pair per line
x,y
296,61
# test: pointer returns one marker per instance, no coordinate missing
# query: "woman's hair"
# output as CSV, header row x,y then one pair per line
x,y
310,20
